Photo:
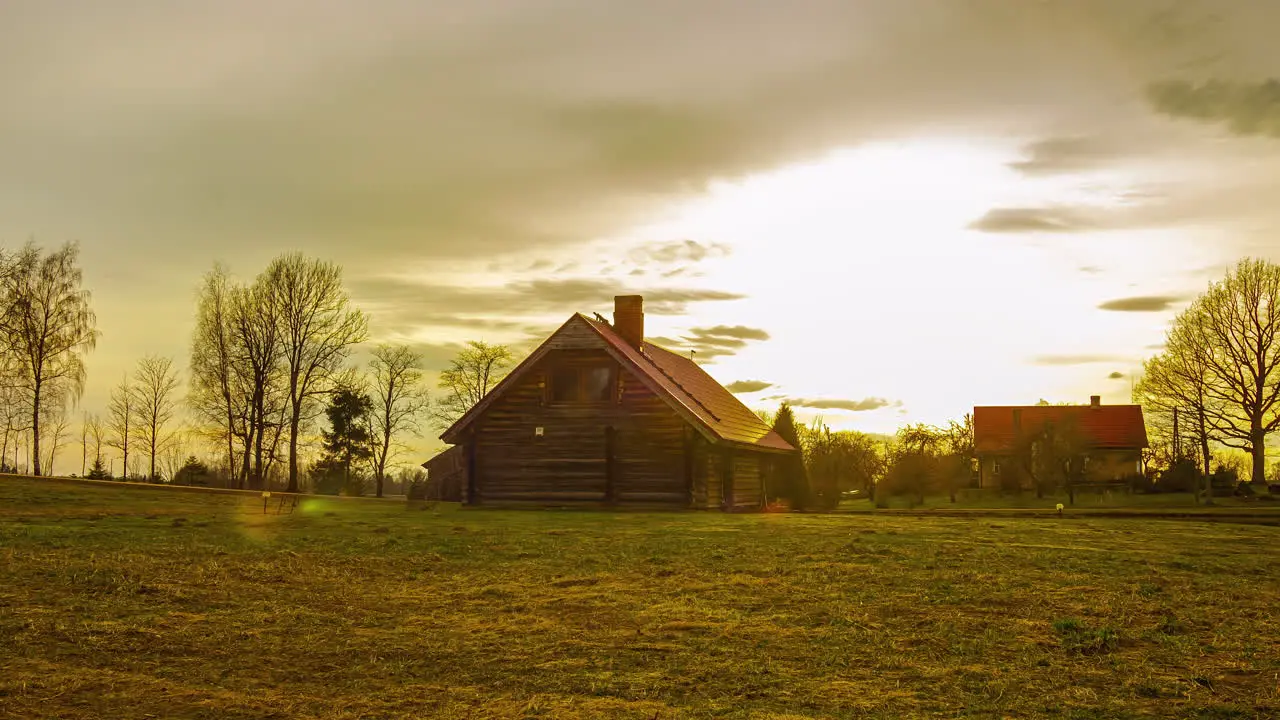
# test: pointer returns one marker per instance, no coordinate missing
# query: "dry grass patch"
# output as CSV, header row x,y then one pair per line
x,y
112,608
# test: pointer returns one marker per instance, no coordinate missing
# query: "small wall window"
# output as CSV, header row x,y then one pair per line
x,y
585,384
564,385
595,384
995,467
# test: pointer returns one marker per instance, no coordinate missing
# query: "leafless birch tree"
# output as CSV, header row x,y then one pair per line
x,y
48,326
155,392
121,414
399,400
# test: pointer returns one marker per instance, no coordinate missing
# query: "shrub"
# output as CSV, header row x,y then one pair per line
x,y
1180,477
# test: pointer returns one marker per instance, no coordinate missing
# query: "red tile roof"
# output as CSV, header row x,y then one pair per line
x,y
682,383
1106,427
684,380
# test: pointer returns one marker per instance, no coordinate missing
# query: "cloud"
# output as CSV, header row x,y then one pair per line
x,y
1034,220
1065,154
713,342
1116,376
1142,303
727,334
863,405
523,306
420,133
677,252
1066,360
744,387
531,296
1244,108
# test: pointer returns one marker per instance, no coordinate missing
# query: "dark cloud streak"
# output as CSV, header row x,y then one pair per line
x,y
1034,220
1142,303
863,405
744,387
1244,108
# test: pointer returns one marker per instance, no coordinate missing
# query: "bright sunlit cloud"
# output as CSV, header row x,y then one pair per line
x,y
864,269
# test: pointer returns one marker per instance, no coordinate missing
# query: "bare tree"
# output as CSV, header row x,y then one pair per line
x,y
318,328
121,427
56,425
49,326
913,467
960,449
1053,455
399,400
98,433
216,393
84,444
258,369
475,370
14,416
175,453
155,392
1236,326
1175,385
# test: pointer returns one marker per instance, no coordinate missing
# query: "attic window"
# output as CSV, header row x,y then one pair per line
x,y
582,385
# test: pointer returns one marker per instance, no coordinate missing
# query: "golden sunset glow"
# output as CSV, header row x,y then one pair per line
x,y
896,219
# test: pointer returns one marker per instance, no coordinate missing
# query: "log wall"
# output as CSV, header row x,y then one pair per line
x,y
570,460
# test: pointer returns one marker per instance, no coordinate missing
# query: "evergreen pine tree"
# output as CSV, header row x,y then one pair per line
x,y
791,479
98,471
348,439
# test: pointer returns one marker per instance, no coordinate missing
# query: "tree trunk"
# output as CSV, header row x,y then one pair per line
x,y
231,437
35,430
248,453
152,476
382,461
1207,480
1259,450
295,421
258,482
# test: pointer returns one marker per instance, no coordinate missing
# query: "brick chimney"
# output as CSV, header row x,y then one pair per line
x,y
628,318
1095,401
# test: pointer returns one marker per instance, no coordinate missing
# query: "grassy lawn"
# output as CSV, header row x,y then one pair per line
x,y
1085,502
133,603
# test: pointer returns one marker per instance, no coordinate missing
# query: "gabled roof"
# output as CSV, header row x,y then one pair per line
x,y
679,381
1105,427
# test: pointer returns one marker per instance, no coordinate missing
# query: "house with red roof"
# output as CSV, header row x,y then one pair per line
x,y
1113,437
597,414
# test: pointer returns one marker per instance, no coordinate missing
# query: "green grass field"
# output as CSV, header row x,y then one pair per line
x,y
139,603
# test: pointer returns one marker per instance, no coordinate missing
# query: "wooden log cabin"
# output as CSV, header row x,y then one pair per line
x,y
598,415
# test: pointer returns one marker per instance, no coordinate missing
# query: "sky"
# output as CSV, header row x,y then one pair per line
x,y
884,211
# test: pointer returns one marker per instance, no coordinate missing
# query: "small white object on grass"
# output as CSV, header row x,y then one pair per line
x,y
1059,509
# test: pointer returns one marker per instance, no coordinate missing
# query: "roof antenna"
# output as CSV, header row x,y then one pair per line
x,y
600,318
692,353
